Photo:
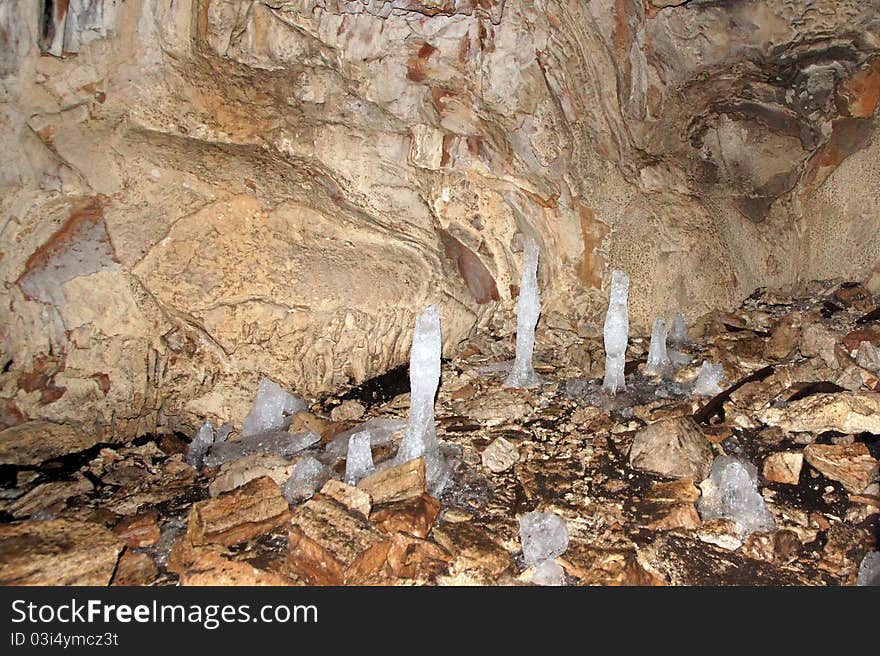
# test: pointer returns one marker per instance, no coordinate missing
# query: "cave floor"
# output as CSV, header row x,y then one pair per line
x,y
798,380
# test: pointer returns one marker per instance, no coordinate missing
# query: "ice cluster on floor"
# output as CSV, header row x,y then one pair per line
x,y
528,309
544,537
359,460
658,363
272,409
869,570
731,492
420,438
709,379
616,334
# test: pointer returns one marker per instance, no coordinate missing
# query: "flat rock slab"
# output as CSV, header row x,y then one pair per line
x,y
249,511
673,447
414,516
849,464
784,467
57,552
398,483
842,412
37,441
330,544
243,470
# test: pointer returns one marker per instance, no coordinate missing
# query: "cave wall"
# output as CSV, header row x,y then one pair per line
x,y
199,192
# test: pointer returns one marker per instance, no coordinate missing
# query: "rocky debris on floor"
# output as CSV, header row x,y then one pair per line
x,y
630,478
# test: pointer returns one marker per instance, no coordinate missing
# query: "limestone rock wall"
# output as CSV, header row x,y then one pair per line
x,y
199,192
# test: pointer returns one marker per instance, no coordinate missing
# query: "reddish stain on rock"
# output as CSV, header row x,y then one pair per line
x,y
42,379
103,381
10,415
859,95
477,278
416,67
593,232
848,135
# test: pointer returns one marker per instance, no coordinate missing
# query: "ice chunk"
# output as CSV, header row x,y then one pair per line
x,y
381,430
543,536
420,438
548,573
223,432
678,358
678,334
279,443
307,477
359,462
658,360
708,381
869,570
528,308
731,492
200,445
616,334
272,409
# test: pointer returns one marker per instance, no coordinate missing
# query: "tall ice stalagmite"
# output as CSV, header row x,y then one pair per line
x,y
528,308
616,334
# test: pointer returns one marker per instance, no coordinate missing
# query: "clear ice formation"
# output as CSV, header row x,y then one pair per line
x,y
658,360
869,570
528,309
731,492
548,573
543,536
616,334
272,409
381,430
307,477
708,381
420,438
200,445
359,462
279,443
678,334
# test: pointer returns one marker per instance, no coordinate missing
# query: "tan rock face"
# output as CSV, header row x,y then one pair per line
x,y
844,412
198,199
783,467
37,441
850,464
674,448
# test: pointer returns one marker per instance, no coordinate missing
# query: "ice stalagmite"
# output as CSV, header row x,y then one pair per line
x,y
420,438
359,462
709,381
678,336
616,334
528,308
658,360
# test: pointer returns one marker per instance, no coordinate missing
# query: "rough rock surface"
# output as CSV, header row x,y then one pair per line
x,y
199,193
674,448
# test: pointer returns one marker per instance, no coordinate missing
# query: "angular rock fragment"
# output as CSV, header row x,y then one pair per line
x,y
672,447
868,357
500,455
47,499
528,309
135,568
35,442
849,464
472,548
616,333
397,483
249,511
413,558
242,470
731,492
139,531
306,478
330,544
783,467
415,516
842,412
347,411
57,552
348,496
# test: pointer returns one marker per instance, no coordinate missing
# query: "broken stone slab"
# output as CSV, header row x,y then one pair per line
x,y
242,470
35,442
848,413
279,443
349,410
500,455
670,505
673,447
135,568
139,531
397,483
249,511
473,548
209,566
47,499
348,496
57,552
415,516
849,464
330,544
416,559
607,566
783,467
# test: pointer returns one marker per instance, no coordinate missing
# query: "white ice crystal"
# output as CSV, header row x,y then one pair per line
x,y
528,308
272,409
869,570
731,492
359,462
200,445
543,536
616,334
307,477
708,381
279,443
678,334
658,360
420,438
548,573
